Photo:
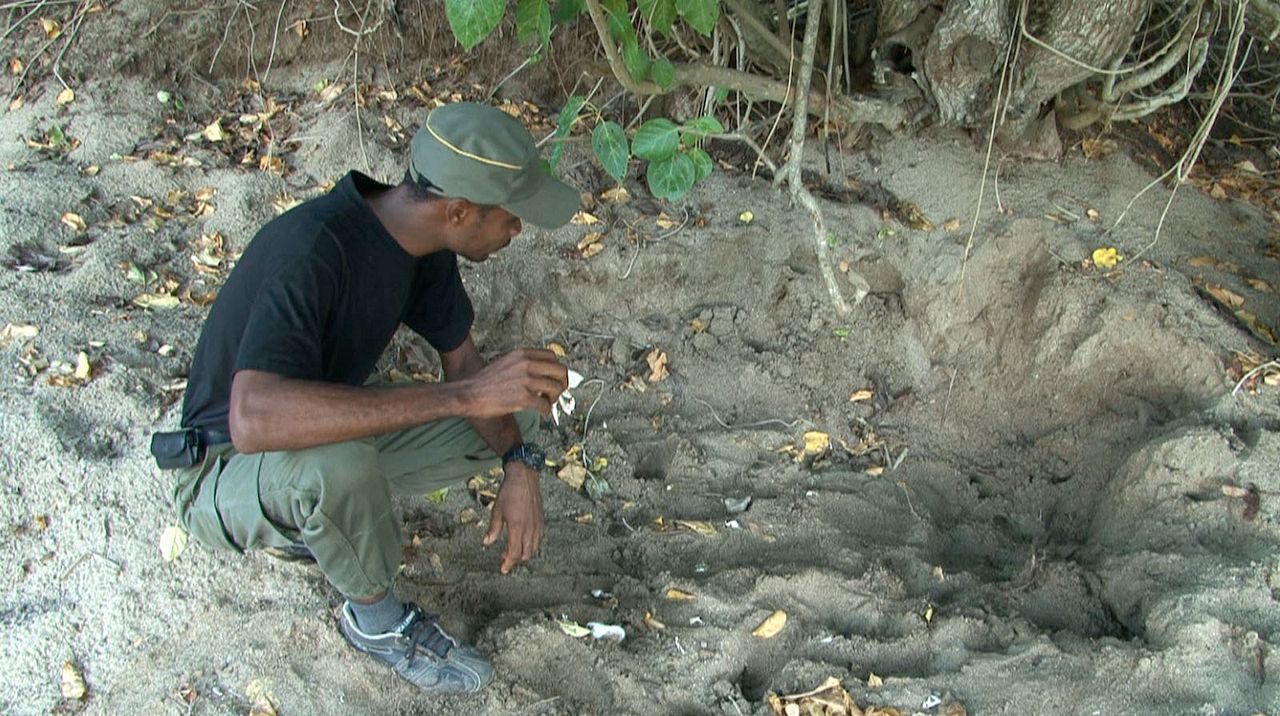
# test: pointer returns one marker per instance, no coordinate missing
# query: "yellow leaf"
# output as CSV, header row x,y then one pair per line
x,y
214,132
771,626
653,624
583,218
1203,262
816,443
284,202
584,519
951,225
17,103
557,349
74,221
666,222
1260,285
861,395
52,28
928,614
657,361
573,629
698,526
590,239
746,217
875,470
66,96
874,681
680,595
15,66
698,325
173,540
1106,258
73,686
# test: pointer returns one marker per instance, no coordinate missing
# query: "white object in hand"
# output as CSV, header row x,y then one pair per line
x,y
566,402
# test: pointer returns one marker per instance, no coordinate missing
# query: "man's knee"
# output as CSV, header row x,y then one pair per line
x,y
329,476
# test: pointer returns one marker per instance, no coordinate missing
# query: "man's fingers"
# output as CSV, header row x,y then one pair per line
x,y
495,527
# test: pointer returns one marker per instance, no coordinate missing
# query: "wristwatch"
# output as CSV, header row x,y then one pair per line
x,y
529,454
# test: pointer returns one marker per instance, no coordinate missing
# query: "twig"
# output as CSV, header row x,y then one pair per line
x,y
947,403
275,36
586,423
907,493
510,74
762,423
761,157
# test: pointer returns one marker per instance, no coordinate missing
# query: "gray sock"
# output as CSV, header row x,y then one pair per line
x,y
380,616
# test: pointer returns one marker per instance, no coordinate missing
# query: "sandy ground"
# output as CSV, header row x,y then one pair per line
x,y
1028,515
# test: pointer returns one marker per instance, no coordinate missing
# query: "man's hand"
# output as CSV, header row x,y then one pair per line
x,y
519,509
526,379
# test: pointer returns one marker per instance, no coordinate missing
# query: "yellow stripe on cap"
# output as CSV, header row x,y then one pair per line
x,y
469,155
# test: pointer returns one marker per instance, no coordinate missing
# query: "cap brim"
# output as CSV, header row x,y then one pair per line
x,y
550,207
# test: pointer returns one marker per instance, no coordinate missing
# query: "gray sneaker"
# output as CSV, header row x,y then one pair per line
x,y
420,651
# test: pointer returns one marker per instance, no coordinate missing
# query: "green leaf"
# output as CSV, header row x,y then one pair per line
x,y
473,20
842,332
635,60
700,14
568,115
662,72
618,20
438,496
702,164
703,125
533,23
671,178
567,11
722,93
660,14
610,145
656,140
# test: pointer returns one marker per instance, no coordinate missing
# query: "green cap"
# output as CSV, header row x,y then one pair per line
x,y
484,155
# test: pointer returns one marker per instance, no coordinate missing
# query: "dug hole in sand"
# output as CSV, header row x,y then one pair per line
x,y
1043,498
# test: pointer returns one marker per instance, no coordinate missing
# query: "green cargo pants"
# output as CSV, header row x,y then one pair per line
x,y
334,498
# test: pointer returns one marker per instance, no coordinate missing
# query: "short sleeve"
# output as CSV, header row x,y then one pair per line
x,y
285,330
440,310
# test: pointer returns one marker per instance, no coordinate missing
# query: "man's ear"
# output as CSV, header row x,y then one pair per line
x,y
458,211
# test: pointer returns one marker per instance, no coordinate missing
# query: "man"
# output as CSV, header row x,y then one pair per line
x,y
300,455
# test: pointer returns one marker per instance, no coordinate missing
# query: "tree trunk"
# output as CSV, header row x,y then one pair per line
x,y
962,61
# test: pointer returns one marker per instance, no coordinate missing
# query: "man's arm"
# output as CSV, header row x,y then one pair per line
x,y
519,504
271,412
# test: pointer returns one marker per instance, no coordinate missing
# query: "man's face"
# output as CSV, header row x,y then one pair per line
x,y
490,230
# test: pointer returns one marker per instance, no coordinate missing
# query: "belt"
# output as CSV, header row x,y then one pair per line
x,y
213,437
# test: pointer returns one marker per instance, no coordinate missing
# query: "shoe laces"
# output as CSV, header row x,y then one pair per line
x,y
424,630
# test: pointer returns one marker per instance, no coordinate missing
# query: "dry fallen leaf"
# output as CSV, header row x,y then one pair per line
x,y
746,217
657,361
697,526
616,195
875,470
771,626
573,474
173,540
951,225
1098,148
15,66
816,443
260,701
159,301
52,28
680,595
284,202
573,629
1225,296
73,685
17,332
652,623
1259,285
74,221
874,681
557,349
583,218
665,222
65,97
861,395
214,132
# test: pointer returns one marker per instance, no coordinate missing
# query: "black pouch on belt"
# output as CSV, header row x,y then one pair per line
x,y
178,449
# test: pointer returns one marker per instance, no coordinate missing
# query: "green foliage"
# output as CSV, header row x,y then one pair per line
x,y
660,14
656,140
610,145
662,73
567,11
676,159
533,24
473,20
700,14
671,178
568,115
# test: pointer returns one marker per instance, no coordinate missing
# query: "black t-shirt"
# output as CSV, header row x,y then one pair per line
x,y
317,295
